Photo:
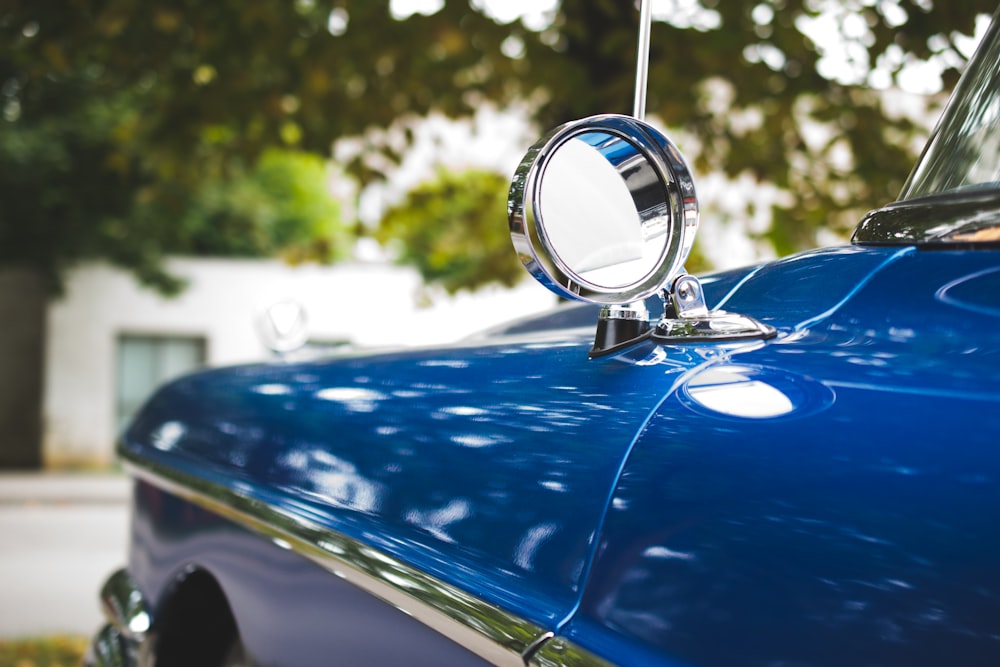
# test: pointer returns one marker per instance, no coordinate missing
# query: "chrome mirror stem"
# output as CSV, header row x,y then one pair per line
x,y
642,60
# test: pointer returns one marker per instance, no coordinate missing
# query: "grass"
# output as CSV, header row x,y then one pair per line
x,y
54,651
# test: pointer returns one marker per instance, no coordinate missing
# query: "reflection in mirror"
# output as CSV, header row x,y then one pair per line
x,y
606,210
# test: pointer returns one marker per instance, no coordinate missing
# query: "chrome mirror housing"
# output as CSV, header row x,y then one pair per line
x,y
604,210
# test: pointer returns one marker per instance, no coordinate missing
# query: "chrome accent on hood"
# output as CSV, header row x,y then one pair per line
x,y
484,629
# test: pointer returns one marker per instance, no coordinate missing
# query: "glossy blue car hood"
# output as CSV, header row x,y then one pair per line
x,y
830,498
491,464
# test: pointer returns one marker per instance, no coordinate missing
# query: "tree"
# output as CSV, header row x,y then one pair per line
x,y
756,94
140,102
450,228
281,207
182,89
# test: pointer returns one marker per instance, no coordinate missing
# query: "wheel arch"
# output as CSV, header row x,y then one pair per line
x,y
194,624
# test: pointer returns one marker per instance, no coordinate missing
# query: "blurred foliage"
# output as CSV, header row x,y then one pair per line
x,y
451,228
55,651
742,80
62,192
697,262
281,206
131,128
70,194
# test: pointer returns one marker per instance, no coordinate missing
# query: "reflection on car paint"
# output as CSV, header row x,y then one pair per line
x,y
972,292
754,392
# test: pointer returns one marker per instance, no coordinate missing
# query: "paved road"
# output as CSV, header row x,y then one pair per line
x,y
60,536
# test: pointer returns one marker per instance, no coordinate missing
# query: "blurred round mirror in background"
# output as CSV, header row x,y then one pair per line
x,y
282,325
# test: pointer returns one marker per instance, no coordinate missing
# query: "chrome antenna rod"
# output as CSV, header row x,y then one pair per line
x,y
642,60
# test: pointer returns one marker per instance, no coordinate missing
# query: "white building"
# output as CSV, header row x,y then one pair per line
x,y
110,341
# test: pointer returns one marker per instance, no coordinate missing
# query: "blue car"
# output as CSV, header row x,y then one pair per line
x,y
796,463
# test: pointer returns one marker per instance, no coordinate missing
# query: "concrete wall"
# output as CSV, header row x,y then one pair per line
x,y
368,304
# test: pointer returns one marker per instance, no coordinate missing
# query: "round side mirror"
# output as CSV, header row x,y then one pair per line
x,y
282,325
603,210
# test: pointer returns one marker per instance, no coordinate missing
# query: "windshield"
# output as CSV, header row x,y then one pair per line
x,y
964,149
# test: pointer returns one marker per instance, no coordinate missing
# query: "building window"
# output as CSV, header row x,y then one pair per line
x,y
146,362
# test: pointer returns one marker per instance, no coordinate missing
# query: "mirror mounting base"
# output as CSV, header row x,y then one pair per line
x,y
620,326
686,318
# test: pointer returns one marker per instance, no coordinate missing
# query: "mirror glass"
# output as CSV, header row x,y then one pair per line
x,y
606,210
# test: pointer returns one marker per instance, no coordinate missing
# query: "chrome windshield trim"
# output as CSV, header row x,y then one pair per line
x,y
966,217
962,149
493,634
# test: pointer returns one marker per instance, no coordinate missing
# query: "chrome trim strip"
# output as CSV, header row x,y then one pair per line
x,y
560,652
484,629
